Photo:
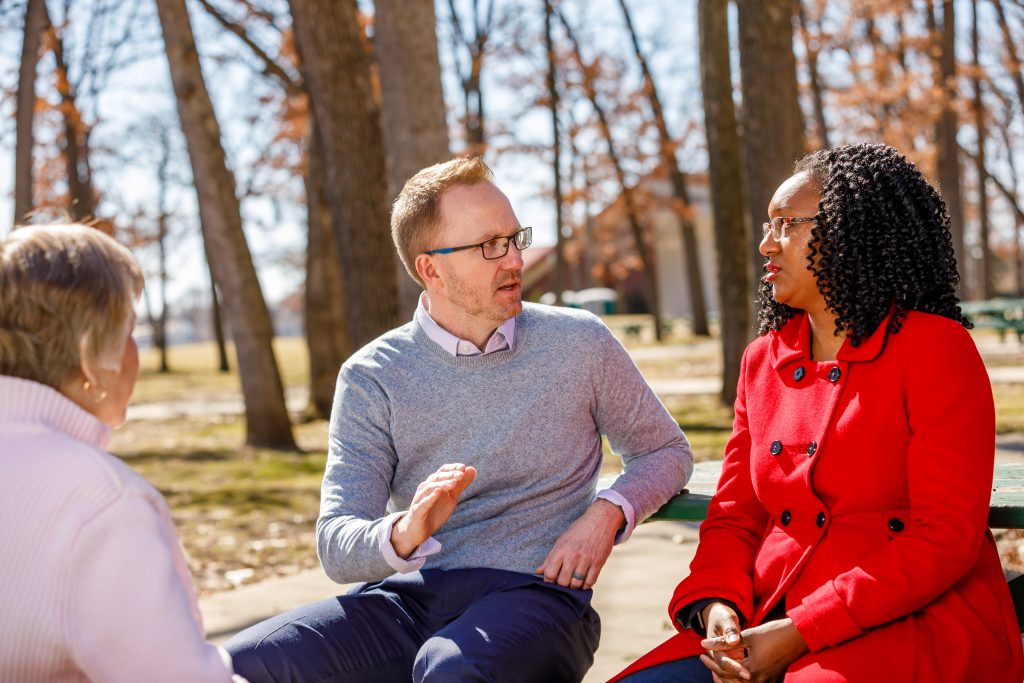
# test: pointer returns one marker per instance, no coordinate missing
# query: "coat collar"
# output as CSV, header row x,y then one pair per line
x,y
793,341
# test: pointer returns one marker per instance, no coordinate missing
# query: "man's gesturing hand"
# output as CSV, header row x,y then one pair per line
x,y
579,554
431,507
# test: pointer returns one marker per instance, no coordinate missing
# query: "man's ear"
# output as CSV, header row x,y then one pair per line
x,y
427,270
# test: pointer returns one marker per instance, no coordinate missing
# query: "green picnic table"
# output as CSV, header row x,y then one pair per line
x,y
997,314
1006,511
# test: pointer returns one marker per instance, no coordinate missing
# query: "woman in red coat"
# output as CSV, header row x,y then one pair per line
x,y
847,540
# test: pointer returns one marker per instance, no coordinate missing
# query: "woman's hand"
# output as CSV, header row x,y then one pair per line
x,y
723,643
771,648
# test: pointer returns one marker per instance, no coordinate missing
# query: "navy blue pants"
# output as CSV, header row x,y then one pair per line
x,y
688,670
435,625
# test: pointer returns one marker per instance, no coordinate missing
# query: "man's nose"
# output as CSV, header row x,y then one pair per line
x,y
513,260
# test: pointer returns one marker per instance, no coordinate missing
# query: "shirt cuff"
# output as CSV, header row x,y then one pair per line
x,y
416,560
616,498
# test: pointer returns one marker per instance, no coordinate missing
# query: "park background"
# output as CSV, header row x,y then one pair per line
x,y
248,152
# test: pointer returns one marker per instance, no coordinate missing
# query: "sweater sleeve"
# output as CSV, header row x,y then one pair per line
x,y
361,462
131,616
731,534
656,456
950,462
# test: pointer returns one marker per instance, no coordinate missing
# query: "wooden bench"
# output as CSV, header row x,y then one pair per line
x,y
997,314
1006,510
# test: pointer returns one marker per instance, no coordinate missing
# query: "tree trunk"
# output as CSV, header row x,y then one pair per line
x,y
476,46
727,191
217,322
163,183
267,422
811,49
415,130
75,148
773,132
683,209
36,21
985,276
348,122
558,284
326,335
946,130
632,214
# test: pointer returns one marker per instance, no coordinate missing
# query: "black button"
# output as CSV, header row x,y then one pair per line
x,y
834,374
785,517
776,447
812,447
799,373
896,524
820,521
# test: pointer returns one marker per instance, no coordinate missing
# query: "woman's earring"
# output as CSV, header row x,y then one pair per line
x,y
87,386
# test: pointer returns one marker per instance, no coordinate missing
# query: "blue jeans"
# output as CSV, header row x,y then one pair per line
x,y
435,625
688,670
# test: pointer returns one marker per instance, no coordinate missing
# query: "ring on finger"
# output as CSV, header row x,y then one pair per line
x,y
579,577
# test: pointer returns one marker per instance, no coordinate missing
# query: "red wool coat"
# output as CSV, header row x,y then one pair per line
x,y
858,490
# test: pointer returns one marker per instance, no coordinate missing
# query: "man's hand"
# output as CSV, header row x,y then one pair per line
x,y
431,507
723,643
579,554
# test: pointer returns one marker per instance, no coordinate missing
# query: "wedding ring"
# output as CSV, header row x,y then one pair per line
x,y
579,577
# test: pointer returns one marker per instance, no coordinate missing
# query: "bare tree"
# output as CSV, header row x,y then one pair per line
x,y
727,190
326,327
667,151
470,66
348,124
773,132
267,422
812,48
36,23
552,85
632,212
415,130
946,128
986,275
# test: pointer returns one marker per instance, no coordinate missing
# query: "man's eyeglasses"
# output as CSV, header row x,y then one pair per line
x,y
777,226
496,247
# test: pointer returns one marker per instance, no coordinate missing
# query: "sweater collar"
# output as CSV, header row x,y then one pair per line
x,y
25,401
793,341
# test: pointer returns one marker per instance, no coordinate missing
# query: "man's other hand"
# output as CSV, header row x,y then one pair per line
x,y
433,504
579,554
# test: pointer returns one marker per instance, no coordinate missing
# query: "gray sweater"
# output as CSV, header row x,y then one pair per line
x,y
529,419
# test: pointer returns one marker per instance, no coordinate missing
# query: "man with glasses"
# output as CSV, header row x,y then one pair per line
x,y
464,453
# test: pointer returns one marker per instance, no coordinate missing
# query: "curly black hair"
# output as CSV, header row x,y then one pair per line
x,y
881,239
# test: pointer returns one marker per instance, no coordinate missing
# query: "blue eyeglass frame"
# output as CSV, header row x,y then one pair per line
x,y
526,231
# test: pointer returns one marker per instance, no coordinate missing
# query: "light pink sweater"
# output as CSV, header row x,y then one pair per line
x,y
93,582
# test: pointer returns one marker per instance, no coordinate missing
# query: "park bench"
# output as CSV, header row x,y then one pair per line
x,y
997,314
1006,511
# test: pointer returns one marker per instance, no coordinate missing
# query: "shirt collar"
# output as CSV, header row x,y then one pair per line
x,y
793,341
25,401
501,340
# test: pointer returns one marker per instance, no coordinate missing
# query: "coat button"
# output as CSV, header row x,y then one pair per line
x,y
812,447
820,521
896,524
834,374
785,517
776,447
799,373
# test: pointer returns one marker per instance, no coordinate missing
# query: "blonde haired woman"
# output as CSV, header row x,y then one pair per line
x,y
93,582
